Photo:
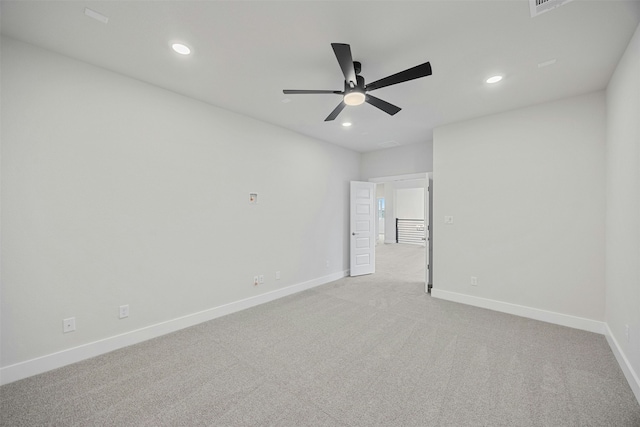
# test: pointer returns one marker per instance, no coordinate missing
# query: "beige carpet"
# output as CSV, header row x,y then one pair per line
x,y
367,351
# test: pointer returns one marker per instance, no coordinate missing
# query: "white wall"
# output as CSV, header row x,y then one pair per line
x,y
623,206
117,192
389,213
410,203
526,190
402,160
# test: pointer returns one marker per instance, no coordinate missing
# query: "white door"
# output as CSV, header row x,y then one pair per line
x,y
363,229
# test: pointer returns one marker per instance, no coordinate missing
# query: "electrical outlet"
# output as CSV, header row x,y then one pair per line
x,y
124,311
261,278
69,325
256,281
626,332
277,275
474,281
326,263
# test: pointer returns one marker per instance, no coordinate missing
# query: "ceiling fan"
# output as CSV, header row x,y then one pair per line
x,y
355,90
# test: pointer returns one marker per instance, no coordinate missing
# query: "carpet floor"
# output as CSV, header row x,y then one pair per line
x,y
367,351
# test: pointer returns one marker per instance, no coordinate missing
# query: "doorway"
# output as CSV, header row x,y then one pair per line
x,y
403,219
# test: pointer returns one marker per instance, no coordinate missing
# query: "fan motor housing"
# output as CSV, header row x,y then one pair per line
x,y
359,85
357,66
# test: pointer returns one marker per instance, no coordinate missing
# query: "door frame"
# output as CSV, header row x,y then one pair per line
x,y
427,217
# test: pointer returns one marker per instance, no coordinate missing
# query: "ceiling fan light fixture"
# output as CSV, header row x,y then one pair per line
x,y
354,98
356,92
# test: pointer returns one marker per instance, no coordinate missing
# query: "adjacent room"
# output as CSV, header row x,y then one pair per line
x,y
320,213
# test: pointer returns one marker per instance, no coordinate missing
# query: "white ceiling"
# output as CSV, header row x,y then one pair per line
x,y
245,53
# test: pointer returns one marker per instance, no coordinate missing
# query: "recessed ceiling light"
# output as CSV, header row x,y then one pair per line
x,y
181,49
346,124
286,101
494,79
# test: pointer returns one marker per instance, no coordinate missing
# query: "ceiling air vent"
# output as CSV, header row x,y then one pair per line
x,y
541,6
388,144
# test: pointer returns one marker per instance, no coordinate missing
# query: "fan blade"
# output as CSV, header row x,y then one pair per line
x,y
383,105
295,91
343,54
335,112
416,72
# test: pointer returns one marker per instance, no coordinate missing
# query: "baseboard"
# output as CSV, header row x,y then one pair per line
x,y
522,311
46,363
629,373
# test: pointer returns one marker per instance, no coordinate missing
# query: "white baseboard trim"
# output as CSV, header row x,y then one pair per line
x,y
629,373
62,358
522,311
